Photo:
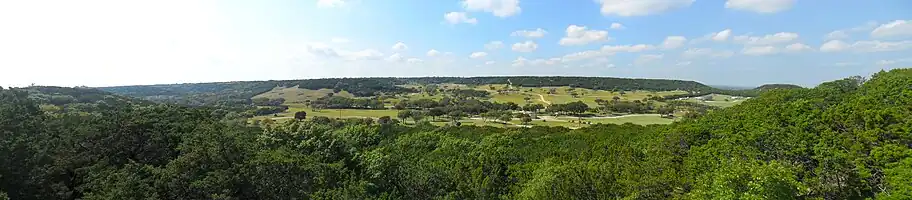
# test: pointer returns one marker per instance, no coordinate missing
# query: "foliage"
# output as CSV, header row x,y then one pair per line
x,y
844,139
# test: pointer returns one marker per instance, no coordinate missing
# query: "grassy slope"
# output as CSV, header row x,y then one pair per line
x,y
299,95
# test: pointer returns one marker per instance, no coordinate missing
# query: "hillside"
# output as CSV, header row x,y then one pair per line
x,y
844,139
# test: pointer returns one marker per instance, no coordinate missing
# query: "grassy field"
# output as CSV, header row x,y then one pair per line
x,y
294,95
720,100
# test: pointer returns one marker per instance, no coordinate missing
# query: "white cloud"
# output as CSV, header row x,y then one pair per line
x,y
493,45
490,62
399,46
323,50
627,8
683,63
778,38
433,52
673,42
626,48
477,55
539,62
760,6
706,53
886,62
835,35
879,46
520,61
890,62
580,35
833,46
647,58
865,46
459,17
340,40
721,35
330,3
898,28
617,26
394,58
414,61
531,34
759,50
500,8
798,47
527,46
582,56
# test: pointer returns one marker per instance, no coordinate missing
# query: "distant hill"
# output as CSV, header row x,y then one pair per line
x,y
777,86
241,92
69,95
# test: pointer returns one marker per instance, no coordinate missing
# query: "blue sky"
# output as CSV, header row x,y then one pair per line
x,y
720,42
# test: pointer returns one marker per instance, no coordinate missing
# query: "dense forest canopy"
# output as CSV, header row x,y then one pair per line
x,y
844,139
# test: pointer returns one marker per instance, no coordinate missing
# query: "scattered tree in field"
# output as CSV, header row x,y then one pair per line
x,y
404,114
526,119
384,120
300,115
505,118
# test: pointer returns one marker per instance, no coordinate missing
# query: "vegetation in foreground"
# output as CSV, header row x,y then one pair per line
x,y
840,140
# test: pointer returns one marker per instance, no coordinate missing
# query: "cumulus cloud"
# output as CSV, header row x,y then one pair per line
x,y
500,8
531,34
477,55
527,46
520,61
583,55
617,26
627,8
706,53
399,46
540,62
580,35
760,6
835,35
797,47
490,62
721,35
898,28
394,58
493,45
626,48
683,63
322,50
673,42
833,46
648,58
414,61
865,46
330,3
459,17
433,52
759,50
778,38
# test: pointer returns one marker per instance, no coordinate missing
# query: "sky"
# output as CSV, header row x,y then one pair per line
x,y
716,42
